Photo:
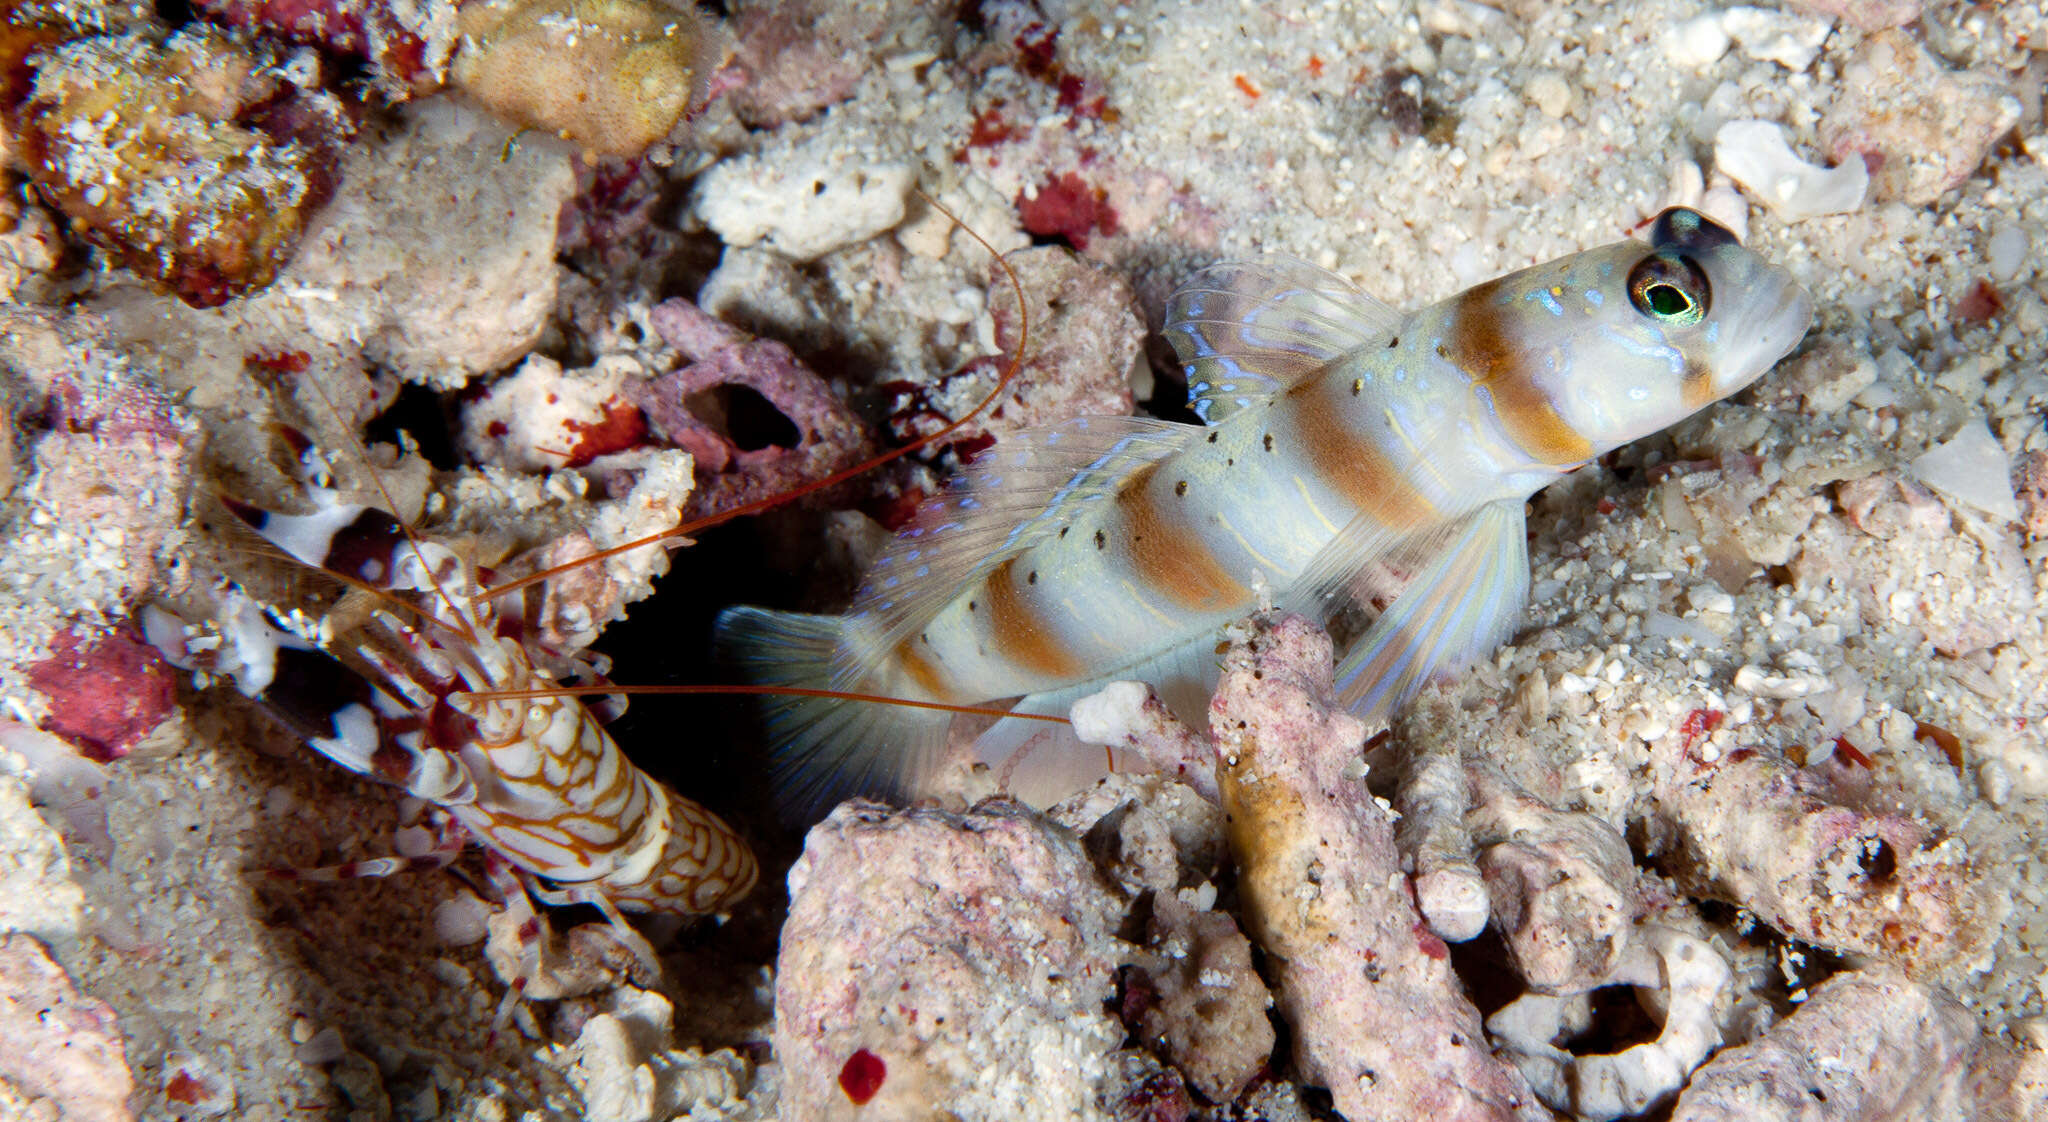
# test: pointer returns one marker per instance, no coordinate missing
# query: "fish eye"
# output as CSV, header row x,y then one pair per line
x,y
1670,288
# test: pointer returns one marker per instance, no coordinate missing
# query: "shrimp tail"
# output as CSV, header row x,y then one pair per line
x,y
825,748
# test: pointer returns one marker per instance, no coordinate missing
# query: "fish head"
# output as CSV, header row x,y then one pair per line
x,y
1655,332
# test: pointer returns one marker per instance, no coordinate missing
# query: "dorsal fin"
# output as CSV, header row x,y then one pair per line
x,y
1015,495
1246,330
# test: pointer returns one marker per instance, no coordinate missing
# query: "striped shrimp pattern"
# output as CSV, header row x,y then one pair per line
x,y
440,696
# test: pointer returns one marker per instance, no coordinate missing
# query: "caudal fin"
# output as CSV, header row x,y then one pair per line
x,y
825,749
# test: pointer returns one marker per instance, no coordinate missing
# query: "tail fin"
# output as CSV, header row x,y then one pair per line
x,y
825,749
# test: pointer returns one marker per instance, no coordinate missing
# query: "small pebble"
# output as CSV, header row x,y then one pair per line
x,y
2007,252
1549,93
1698,42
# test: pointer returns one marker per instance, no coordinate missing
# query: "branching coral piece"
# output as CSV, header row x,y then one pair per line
x,y
1432,801
1378,1015
1129,715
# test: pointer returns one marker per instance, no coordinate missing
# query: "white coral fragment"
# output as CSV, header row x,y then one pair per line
x,y
1755,154
1971,467
802,210
1790,41
1688,975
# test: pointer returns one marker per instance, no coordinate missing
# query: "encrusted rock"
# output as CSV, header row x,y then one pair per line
x,y
1924,127
937,962
197,159
1864,1045
63,1050
1759,834
1085,336
829,436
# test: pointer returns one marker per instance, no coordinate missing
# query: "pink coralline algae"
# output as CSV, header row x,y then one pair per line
x,y
1068,206
1379,1016
830,437
106,691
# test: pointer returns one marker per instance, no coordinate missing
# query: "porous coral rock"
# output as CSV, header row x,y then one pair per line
x,y
802,212
1203,1005
1379,1017
196,158
626,1066
936,963
1191,993
1864,1045
435,262
614,76
1563,885
1927,128
1765,836
829,436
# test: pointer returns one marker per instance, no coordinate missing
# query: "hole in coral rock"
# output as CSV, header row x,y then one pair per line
x,y
175,13
1878,861
1619,1023
1483,964
750,421
425,416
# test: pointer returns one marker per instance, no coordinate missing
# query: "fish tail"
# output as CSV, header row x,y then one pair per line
x,y
825,749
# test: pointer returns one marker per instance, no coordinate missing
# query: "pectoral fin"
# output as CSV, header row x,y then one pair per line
x,y
1456,610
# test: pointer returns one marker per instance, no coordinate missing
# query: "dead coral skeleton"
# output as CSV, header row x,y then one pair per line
x,y
1379,1016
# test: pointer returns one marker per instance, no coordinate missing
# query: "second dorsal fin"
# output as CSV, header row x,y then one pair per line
x,y
1246,330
